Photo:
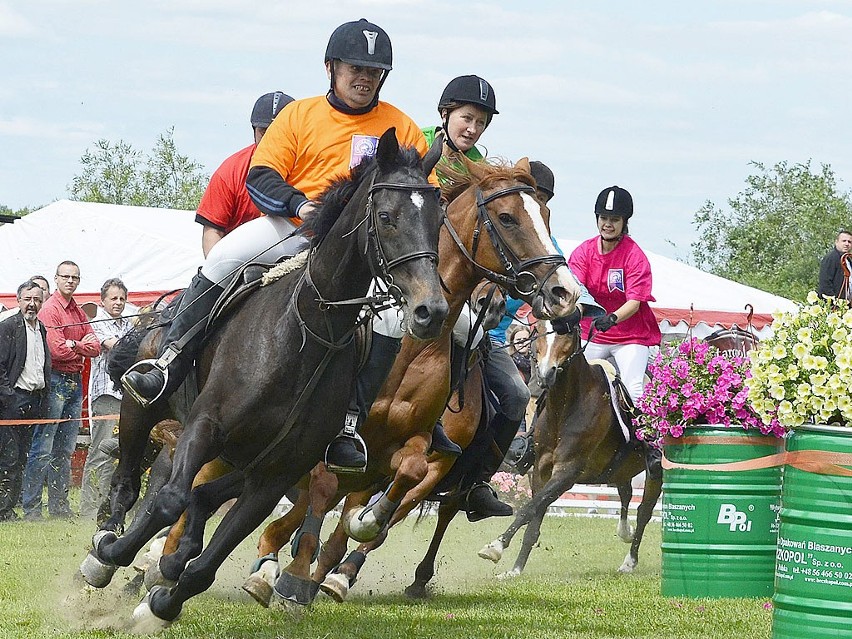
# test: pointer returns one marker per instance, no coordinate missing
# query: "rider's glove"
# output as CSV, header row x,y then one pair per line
x,y
603,324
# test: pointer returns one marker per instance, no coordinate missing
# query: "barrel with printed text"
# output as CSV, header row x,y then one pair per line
x,y
813,574
719,526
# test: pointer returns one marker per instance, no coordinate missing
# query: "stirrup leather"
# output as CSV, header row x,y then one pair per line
x,y
162,364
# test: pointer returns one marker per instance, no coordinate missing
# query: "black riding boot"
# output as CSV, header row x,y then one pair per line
x,y
344,453
482,499
194,307
653,461
443,444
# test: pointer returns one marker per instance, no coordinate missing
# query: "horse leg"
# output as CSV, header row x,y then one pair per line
x,y
294,584
624,530
204,500
561,480
364,524
197,446
264,571
531,535
162,606
651,494
125,485
426,568
337,582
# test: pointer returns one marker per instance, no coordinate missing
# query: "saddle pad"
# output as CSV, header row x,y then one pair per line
x,y
615,394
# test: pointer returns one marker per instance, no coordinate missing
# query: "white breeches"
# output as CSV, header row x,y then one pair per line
x,y
257,241
630,360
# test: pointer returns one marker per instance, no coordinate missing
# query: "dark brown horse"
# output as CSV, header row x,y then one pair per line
x,y
291,343
494,228
578,439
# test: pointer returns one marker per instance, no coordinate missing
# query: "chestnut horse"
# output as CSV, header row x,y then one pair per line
x,y
494,228
382,222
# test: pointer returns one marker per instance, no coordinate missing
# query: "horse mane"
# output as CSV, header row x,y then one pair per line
x,y
460,173
335,198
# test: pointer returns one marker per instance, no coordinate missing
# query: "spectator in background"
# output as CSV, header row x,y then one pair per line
x,y
42,283
70,339
226,203
832,280
24,375
109,327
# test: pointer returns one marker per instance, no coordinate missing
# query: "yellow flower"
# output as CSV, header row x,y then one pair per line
x,y
779,351
776,391
800,350
804,334
803,390
812,297
809,362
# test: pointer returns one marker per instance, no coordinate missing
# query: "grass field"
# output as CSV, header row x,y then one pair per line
x,y
570,589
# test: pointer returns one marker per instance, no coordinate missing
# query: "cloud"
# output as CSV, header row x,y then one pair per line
x,y
13,24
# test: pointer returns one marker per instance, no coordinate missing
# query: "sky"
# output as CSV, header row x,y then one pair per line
x,y
671,100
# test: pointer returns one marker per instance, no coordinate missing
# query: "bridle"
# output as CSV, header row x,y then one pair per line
x,y
518,279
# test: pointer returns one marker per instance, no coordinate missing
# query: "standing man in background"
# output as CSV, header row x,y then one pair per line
x,y
70,339
226,203
109,327
24,375
831,275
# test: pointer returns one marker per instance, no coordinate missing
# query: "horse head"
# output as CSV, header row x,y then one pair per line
x,y
553,350
501,227
488,301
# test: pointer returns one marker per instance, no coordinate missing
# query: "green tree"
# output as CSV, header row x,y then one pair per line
x,y
775,231
116,173
5,210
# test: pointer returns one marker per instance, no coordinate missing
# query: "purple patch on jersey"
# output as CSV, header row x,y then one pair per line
x,y
615,280
363,146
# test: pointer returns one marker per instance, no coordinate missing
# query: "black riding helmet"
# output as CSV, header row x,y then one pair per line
x,y
467,89
267,107
543,177
614,201
361,44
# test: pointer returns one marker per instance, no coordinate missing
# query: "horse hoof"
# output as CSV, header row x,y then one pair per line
x,y
145,622
294,610
152,556
493,551
336,586
296,589
259,589
95,572
416,591
510,574
154,577
628,566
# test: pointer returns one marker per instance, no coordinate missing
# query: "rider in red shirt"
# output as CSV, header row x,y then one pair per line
x,y
226,204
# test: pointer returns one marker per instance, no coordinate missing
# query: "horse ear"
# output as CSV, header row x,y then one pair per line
x,y
388,150
434,153
523,164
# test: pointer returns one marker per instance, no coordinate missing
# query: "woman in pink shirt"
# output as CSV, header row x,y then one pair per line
x,y
618,275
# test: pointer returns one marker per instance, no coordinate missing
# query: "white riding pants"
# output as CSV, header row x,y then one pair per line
x,y
255,241
630,360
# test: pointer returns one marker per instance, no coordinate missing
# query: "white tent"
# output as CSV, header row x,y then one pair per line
x,y
689,297
158,250
152,250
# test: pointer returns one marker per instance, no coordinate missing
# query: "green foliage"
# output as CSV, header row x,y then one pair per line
x,y
776,230
116,173
5,210
570,590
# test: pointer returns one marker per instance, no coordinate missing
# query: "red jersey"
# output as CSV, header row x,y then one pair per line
x,y
612,279
226,204
65,320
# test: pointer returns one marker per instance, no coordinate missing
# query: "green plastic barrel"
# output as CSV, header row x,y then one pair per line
x,y
719,527
813,573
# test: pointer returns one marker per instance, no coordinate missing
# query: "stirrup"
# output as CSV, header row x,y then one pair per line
x,y
350,430
162,364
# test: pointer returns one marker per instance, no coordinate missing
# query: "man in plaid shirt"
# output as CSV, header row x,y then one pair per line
x,y
109,327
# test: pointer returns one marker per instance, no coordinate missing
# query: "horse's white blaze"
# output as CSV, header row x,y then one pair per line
x,y
417,199
563,275
544,364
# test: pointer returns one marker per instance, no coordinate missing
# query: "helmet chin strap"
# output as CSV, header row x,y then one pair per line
x,y
448,138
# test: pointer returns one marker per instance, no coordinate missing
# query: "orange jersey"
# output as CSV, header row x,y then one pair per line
x,y
311,144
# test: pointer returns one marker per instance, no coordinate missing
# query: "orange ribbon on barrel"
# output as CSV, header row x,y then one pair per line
x,y
819,462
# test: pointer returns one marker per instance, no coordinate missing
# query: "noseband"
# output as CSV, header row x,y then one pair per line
x,y
517,278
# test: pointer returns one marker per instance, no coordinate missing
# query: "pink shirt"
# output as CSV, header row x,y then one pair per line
x,y
58,315
612,279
